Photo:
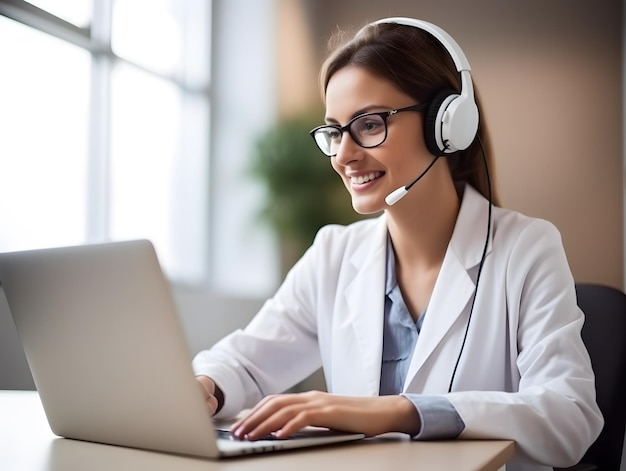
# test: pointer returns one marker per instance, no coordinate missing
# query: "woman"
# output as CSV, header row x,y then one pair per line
x,y
446,316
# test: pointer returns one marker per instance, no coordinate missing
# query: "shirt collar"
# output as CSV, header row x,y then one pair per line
x,y
390,273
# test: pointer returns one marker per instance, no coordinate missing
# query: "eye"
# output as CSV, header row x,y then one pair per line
x,y
333,134
369,124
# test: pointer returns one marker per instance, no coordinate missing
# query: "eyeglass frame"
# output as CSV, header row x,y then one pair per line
x,y
347,127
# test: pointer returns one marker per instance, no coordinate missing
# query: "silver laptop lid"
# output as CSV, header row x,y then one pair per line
x,y
105,347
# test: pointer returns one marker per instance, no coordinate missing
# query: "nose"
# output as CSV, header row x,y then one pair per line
x,y
349,150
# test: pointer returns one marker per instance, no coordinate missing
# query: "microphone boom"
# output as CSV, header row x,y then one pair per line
x,y
396,195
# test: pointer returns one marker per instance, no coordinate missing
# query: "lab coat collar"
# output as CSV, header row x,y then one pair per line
x,y
467,242
470,230
452,293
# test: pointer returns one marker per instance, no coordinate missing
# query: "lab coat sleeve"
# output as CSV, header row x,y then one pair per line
x,y
275,351
553,415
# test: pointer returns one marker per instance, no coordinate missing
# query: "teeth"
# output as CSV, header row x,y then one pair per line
x,y
365,178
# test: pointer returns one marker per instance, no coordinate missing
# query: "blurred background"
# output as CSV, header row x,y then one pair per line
x,y
124,119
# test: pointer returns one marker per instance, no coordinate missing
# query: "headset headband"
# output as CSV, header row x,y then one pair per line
x,y
456,53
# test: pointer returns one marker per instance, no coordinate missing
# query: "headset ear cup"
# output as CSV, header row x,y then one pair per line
x,y
431,121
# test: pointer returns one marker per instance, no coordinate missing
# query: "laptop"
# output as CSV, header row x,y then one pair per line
x,y
108,356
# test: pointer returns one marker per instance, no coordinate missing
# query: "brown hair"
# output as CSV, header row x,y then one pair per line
x,y
420,66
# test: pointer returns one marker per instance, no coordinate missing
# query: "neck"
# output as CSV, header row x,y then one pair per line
x,y
421,228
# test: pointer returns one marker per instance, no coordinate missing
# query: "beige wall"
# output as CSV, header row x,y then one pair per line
x,y
550,75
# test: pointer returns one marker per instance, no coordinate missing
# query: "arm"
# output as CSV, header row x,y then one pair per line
x,y
267,357
285,414
549,408
276,350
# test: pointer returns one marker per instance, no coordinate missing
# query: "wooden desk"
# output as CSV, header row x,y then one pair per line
x,y
27,444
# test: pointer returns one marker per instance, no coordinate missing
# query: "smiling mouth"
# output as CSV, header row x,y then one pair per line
x,y
361,179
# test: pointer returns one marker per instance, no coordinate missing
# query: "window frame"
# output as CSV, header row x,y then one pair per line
x,y
240,255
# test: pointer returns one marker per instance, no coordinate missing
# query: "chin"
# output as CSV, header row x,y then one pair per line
x,y
367,207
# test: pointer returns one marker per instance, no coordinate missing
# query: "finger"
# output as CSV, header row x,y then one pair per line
x,y
329,414
287,414
257,416
267,417
296,423
257,413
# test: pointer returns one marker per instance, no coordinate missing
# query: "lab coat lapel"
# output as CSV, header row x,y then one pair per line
x,y
455,285
365,298
453,290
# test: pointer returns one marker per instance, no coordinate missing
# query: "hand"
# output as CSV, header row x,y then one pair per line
x,y
210,392
285,414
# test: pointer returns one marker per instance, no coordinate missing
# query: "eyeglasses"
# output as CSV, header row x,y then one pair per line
x,y
367,130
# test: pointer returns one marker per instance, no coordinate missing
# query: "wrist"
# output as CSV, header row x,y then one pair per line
x,y
219,395
408,418
212,389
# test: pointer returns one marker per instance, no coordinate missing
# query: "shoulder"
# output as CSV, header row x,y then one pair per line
x,y
530,250
508,225
510,230
513,228
336,250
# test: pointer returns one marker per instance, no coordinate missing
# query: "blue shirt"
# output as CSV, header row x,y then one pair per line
x,y
439,418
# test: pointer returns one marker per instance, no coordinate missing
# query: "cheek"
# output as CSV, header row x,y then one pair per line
x,y
408,138
339,170
334,165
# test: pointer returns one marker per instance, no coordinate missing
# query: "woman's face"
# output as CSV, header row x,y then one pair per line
x,y
371,174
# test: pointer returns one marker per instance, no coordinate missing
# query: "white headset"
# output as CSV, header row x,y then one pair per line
x,y
451,122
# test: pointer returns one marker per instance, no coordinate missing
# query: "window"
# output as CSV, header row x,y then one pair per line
x,y
105,123
44,121
111,129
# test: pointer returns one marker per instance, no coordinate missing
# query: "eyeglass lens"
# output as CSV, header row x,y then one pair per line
x,y
369,130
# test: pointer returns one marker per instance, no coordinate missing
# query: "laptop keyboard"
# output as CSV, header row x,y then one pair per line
x,y
226,435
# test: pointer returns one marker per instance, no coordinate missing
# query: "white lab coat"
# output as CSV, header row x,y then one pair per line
x,y
524,373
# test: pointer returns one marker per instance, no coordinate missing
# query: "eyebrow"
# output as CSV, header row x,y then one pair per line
x,y
365,110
